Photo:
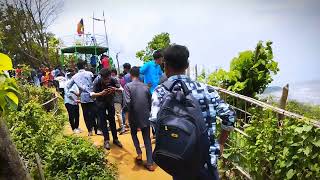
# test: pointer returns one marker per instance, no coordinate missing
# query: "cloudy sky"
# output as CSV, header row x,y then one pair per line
x,y
214,31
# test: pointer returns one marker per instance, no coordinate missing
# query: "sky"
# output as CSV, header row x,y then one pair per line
x,y
214,31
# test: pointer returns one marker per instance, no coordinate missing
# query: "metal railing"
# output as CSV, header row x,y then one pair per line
x,y
55,103
241,104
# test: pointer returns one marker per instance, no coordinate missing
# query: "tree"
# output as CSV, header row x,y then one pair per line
x,y
250,72
25,34
159,41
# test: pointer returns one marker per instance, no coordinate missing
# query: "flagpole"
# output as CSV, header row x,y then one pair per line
x,y
93,25
105,31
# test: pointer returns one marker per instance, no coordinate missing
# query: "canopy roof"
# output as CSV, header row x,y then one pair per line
x,y
95,50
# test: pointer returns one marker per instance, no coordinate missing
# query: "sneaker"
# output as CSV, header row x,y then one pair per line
x,y
90,133
99,132
107,145
117,142
80,130
76,131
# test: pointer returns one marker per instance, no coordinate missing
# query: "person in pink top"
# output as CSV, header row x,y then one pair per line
x,y
105,62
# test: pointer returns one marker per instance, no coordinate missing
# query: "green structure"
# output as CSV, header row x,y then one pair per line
x,y
93,50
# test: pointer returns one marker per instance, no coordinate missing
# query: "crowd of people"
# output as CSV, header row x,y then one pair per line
x,y
148,99
107,98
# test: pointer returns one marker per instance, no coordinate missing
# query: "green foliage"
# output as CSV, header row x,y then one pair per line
x,y
37,128
250,72
8,87
272,152
202,77
75,158
24,33
33,129
159,41
309,111
8,93
219,78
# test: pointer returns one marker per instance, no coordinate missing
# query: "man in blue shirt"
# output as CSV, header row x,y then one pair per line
x,y
152,71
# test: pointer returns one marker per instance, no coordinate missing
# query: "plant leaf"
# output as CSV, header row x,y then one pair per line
x,y
5,62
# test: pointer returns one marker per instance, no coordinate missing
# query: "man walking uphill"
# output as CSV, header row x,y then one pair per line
x,y
138,103
152,71
207,104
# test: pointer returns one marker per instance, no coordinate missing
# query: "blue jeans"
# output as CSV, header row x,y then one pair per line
x,y
204,174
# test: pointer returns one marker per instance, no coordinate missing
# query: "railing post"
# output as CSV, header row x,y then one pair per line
x,y
283,102
39,165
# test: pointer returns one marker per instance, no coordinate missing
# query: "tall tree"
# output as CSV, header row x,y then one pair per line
x,y
159,41
26,23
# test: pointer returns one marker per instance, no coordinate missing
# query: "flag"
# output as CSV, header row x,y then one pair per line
x,y
80,27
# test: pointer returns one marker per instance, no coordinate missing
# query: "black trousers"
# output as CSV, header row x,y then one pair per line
x,y
147,142
103,117
89,112
73,112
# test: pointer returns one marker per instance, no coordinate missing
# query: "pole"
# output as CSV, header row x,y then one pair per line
x,y
118,62
93,24
283,102
196,71
105,31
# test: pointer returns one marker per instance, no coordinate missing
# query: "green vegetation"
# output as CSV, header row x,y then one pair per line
x,y
307,110
38,129
8,87
158,42
24,31
270,151
75,158
250,72
273,152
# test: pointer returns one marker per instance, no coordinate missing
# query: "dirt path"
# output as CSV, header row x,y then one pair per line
x,y
124,157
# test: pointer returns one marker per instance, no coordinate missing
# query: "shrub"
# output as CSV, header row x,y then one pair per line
x,y
33,129
272,152
75,158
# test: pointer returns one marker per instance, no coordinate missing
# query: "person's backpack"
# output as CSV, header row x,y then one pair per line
x,y
182,142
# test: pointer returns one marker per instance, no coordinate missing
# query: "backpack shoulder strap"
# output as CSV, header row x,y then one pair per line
x,y
167,84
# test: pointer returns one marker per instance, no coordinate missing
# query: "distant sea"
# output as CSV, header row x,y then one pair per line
x,y
304,92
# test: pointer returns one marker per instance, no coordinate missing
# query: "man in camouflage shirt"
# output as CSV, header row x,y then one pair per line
x,y
176,62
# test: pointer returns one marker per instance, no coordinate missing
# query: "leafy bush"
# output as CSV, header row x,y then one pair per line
x,y
250,72
33,129
75,158
271,152
37,129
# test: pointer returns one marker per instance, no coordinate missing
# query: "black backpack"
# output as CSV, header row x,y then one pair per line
x,y
182,142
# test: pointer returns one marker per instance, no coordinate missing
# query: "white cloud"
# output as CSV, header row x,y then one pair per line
x,y
214,31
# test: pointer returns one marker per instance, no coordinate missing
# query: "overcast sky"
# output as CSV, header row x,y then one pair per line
x,y
214,31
